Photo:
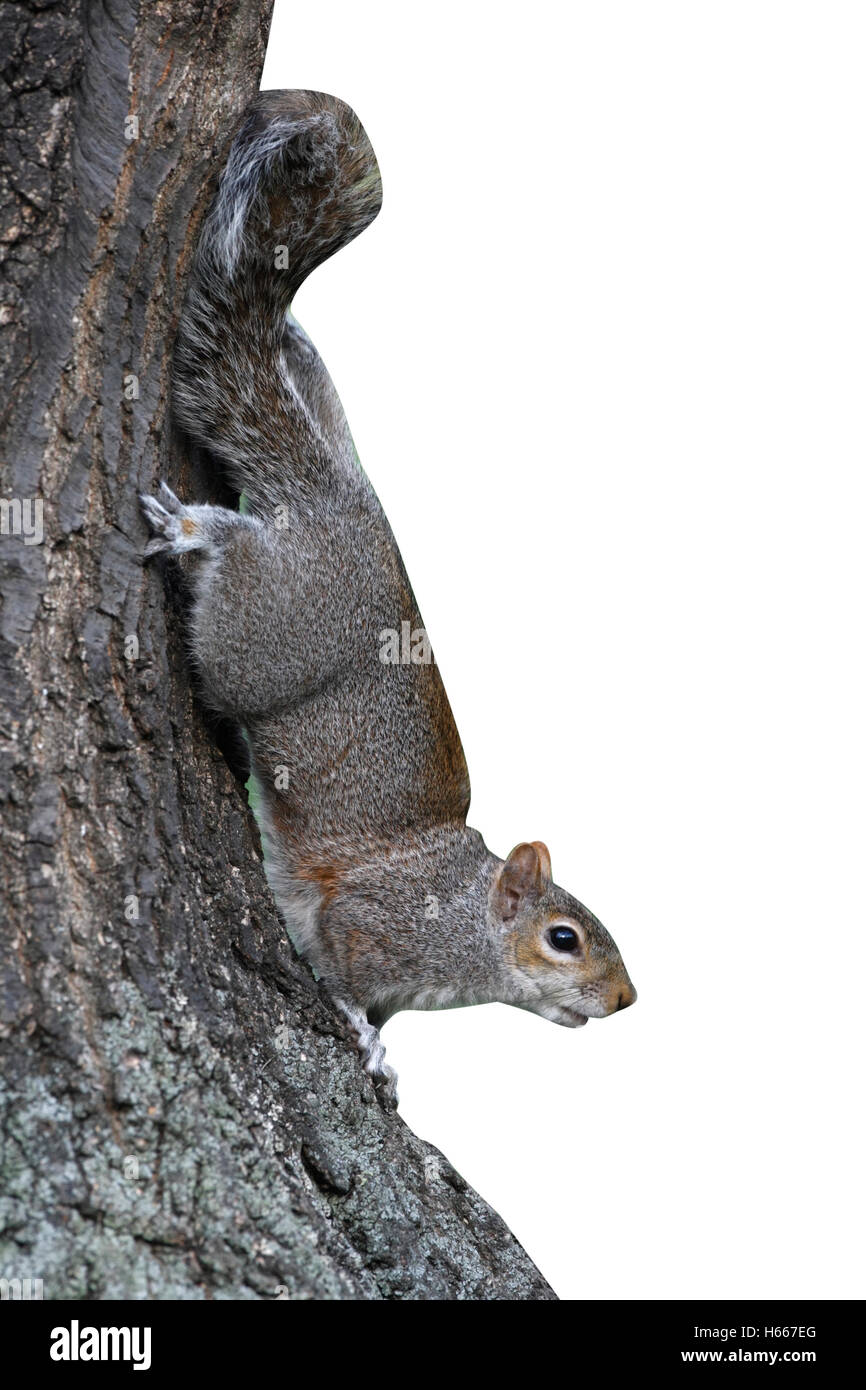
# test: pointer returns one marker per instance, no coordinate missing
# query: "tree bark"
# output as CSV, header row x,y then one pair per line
x,y
183,1114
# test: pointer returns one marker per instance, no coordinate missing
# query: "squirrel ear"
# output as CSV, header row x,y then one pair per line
x,y
544,855
524,870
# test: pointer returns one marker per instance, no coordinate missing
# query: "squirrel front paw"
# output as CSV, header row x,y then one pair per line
x,y
384,1079
372,1052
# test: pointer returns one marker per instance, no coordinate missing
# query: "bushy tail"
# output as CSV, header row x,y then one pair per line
x,y
300,182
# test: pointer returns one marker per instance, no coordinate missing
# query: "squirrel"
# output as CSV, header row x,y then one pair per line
x,y
364,791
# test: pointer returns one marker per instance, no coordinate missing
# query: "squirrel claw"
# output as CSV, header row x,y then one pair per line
x,y
170,501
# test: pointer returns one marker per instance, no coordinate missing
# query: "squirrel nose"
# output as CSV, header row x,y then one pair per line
x,y
625,996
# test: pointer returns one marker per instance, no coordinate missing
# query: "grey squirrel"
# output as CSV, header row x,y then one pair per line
x,y
393,899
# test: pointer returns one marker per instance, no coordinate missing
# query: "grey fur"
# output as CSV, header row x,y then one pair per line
x,y
364,788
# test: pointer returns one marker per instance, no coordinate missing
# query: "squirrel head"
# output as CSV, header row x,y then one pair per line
x,y
559,959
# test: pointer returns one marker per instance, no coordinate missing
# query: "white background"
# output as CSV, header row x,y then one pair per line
x,y
602,354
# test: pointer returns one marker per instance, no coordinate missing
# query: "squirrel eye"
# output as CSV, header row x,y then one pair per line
x,y
563,938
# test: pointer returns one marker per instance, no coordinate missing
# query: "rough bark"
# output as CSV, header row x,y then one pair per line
x,y
183,1114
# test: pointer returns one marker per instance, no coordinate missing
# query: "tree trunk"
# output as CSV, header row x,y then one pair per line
x,y
183,1114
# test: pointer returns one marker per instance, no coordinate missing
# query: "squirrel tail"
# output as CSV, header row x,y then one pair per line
x,y
301,181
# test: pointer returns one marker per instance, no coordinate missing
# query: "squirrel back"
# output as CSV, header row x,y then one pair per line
x,y
300,182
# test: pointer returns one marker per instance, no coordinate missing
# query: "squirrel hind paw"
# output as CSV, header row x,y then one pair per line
x,y
175,526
